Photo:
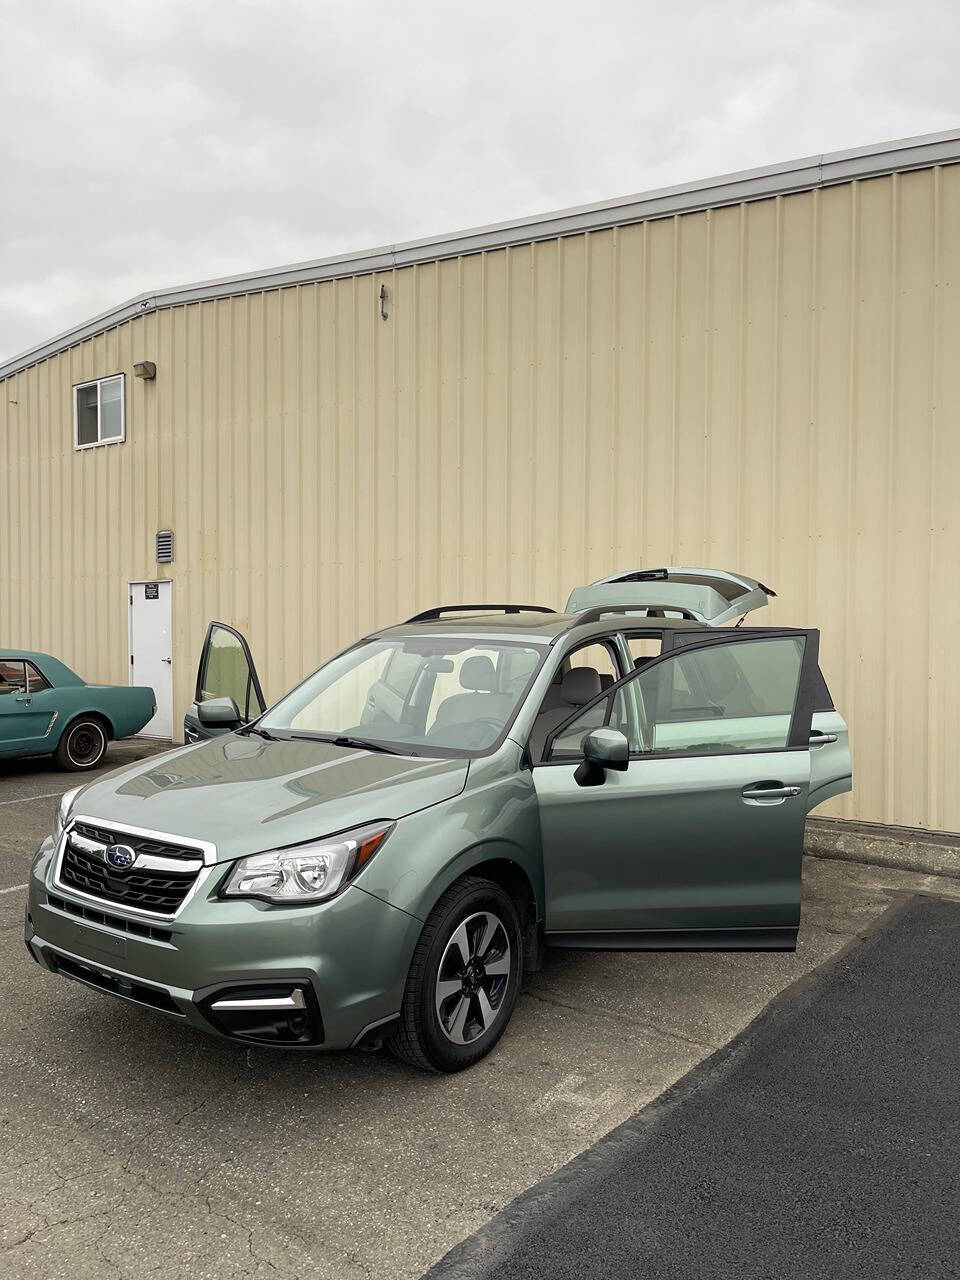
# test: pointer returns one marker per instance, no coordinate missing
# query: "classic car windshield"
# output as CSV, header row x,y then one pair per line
x,y
416,695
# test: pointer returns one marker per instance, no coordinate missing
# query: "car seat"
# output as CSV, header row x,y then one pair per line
x,y
578,686
481,701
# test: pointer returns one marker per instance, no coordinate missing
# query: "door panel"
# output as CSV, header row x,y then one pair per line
x,y
701,837
24,715
671,844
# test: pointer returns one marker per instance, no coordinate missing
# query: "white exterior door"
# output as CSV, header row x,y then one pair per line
x,y
151,651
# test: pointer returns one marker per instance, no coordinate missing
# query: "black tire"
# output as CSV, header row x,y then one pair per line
x,y
428,1020
82,745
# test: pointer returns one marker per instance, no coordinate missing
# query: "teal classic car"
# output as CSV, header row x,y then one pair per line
x,y
383,854
46,709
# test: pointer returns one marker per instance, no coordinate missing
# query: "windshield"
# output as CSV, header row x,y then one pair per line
x,y
419,696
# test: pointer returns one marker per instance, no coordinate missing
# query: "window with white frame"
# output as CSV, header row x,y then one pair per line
x,y
98,416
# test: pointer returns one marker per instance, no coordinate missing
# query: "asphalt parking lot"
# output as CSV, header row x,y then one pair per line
x,y
134,1146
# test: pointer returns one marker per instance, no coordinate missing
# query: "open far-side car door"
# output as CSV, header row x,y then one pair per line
x,y
710,596
831,771
226,670
696,839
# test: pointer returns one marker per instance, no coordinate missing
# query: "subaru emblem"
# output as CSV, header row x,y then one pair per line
x,y
120,856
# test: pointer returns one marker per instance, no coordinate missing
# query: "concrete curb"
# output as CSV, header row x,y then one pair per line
x,y
906,848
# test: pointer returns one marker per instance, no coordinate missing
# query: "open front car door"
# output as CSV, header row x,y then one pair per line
x,y
226,674
672,806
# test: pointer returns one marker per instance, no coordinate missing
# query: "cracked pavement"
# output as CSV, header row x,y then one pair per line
x,y
130,1145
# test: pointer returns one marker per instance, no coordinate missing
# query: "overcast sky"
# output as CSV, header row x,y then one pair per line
x,y
145,145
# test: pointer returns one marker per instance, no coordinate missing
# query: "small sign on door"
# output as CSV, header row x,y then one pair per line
x,y
151,591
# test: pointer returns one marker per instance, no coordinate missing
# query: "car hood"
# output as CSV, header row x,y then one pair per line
x,y
245,794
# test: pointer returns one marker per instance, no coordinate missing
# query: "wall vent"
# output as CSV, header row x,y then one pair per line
x,y
165,546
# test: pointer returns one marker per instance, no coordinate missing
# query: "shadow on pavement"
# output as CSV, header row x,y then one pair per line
x,y
821,1141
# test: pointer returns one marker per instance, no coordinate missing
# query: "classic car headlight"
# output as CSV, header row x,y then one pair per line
x,y
306,872
61,817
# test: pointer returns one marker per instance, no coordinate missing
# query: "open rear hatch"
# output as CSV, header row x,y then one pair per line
x,y
710,596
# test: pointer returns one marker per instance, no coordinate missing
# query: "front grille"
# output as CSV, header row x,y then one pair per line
x,y
159,891
139,844
138,928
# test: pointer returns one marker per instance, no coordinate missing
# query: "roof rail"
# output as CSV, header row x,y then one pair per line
x,y
434,615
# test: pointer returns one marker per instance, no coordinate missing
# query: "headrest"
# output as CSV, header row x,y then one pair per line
x,y
478,674
580,685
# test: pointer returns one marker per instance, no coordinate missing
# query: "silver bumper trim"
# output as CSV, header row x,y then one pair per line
x,y
293,1001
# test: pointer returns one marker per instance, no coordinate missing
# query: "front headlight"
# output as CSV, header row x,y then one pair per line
x,y
307,872
62,816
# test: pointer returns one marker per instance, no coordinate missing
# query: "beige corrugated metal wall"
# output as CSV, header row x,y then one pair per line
x,y
772,387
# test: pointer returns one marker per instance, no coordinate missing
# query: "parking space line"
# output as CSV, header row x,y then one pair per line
x,y
14,888
47,795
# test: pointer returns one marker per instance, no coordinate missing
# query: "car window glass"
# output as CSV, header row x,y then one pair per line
x,y
515,668
12,679
612,712
447,695
598,656
227,674
35,681
579,678
723,698
346,703
643,648
448,682
400,671
567,742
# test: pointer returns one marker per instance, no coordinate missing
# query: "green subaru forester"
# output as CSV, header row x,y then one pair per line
x,y
381,855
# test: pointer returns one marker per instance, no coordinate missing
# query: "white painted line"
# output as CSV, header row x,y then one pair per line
x,y
14,888
47,795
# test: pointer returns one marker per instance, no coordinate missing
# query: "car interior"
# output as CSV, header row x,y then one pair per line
x,y
441,695
12,678
582,675
480,702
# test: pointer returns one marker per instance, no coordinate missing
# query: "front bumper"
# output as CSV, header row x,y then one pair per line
x,y
349,959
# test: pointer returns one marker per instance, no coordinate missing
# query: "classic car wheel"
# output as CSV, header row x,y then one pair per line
x,y
463,980
82,745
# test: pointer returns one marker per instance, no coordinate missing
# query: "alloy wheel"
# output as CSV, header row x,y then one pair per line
x,y
473,977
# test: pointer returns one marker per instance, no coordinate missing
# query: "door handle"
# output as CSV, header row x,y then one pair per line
x,y
22,697
821,739
775,793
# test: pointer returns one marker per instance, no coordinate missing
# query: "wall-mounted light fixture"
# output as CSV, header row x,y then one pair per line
x,y
145,369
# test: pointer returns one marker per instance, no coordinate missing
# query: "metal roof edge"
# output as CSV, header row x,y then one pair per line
x,y
786,178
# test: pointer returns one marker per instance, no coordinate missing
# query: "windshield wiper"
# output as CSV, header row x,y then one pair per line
x,y
261,733
348,740
363,744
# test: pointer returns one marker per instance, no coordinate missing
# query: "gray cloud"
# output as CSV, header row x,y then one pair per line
x,y
144,145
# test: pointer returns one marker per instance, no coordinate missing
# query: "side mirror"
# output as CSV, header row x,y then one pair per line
x,y
603,749
219,713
